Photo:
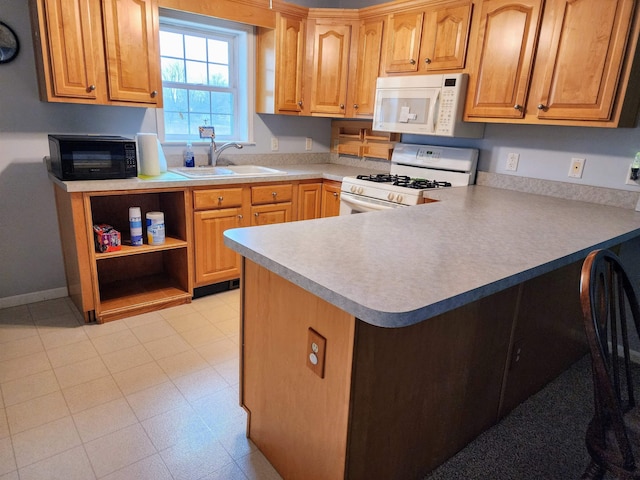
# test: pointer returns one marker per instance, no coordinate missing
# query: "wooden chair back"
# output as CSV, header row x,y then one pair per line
x,y
610,305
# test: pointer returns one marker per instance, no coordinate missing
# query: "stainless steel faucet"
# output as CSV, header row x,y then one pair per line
x,y
214,151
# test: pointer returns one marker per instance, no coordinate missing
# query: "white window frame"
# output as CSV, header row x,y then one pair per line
x,y
244,61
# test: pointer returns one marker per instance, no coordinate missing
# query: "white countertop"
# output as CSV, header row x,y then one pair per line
x,y
328,171
403,266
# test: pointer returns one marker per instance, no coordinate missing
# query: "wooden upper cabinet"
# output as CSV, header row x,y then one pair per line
x,y
280,63
72,68
444,38
432,39
505,47
290,32
99,52
362,91
132,50
582,68
403,42
330,67
587,46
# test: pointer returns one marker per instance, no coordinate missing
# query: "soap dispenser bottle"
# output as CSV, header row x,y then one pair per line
x,y
189,159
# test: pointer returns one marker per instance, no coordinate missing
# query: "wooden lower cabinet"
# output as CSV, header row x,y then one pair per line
x,y
271,204
271,213
216,210
393,402
309,200
214,261
330,198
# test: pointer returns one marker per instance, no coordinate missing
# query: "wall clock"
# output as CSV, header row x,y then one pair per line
x,y
9,45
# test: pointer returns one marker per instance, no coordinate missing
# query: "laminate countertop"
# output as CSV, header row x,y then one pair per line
x,y
398,267
328,171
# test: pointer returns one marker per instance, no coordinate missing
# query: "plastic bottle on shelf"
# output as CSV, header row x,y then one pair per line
x,y
135,225
155,228
189,158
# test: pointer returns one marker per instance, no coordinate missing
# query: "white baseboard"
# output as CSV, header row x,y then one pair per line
x,y
33,297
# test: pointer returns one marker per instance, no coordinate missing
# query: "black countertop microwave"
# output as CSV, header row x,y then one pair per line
x,y
92,157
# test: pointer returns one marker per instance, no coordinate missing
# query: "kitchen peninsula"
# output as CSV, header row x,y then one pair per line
x,y
427,325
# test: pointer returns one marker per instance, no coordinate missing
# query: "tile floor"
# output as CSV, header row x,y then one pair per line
x,y
153,396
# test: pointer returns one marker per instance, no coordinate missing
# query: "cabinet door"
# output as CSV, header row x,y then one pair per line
x,y
330,199
499,82
330,68
269,214
403,42
309,200
71,49
289,63
132,51
444,38
363,90
586,55
213,260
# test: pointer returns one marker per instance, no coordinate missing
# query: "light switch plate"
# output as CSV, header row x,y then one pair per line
x,y
316,350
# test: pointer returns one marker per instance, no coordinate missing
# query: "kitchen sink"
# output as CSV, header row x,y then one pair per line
x,y
207,171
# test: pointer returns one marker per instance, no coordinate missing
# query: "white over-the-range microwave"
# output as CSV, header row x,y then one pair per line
x,y
424,105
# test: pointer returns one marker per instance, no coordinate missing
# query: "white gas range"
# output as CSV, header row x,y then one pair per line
x,y
414,170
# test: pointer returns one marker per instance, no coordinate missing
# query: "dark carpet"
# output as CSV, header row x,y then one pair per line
x,y
543,438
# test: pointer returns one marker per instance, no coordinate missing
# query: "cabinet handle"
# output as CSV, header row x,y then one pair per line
x,y
542,106
91,88
154,93
220,199
517,107
335,195
427,60
355,105
256,214
240,217
412,61
274,194
300,103
342,106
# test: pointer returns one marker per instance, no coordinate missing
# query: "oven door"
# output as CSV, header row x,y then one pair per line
x,y
350,203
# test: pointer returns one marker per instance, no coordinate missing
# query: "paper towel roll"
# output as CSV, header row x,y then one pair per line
x,y
149,159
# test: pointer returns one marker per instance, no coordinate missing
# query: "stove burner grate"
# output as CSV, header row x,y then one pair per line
x,y
403,181
421,183
383,178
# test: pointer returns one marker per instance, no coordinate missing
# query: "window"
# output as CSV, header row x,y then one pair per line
x,y
205,81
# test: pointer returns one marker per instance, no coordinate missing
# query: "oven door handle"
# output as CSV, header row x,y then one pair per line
x,y
362,205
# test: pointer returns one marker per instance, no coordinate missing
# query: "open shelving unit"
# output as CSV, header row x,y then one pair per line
x,y
357,138
138,279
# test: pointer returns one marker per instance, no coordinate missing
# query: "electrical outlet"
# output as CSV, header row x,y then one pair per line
x,y
308,143
512,162
316,348
576,168
274,144
630,181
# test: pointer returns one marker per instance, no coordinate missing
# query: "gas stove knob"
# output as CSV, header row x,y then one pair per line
x,y
391,196
353,189
360,190
399,198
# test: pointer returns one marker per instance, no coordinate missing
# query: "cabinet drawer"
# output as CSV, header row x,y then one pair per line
x,y
218,198
271,194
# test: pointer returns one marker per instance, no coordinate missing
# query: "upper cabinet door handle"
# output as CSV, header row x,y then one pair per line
x,y
412,61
